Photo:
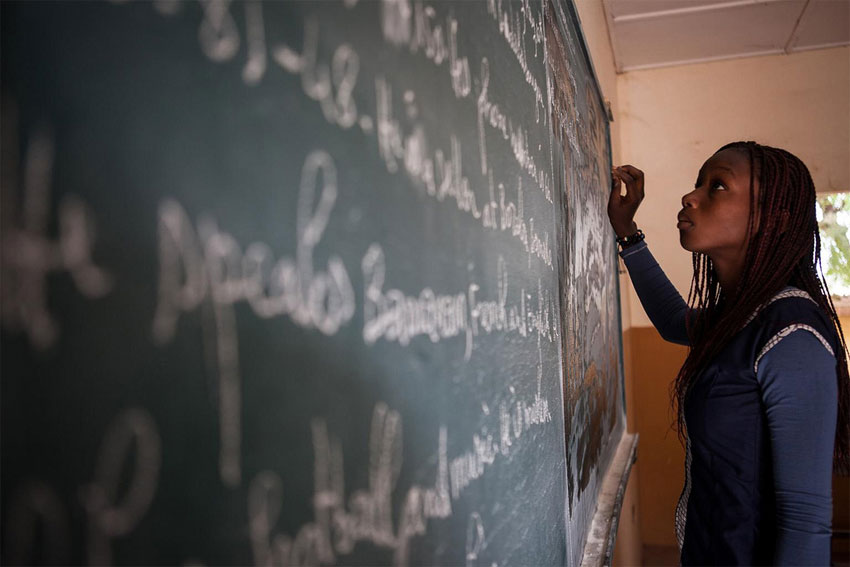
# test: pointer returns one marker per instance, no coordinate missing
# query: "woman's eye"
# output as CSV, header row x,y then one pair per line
x,y
718,187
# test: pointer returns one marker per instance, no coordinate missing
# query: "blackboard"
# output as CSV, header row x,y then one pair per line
x,y
303,282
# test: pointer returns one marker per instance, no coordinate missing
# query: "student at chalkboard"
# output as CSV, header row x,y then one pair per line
x,y
763,398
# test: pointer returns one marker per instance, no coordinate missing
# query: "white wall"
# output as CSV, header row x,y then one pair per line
x,y
672,119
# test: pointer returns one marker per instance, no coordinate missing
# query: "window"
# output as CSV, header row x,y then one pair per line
x,y
833,214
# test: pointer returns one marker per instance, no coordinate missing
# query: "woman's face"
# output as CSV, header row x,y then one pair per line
x,y
714,216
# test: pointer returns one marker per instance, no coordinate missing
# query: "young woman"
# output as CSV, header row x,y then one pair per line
x,y
763,396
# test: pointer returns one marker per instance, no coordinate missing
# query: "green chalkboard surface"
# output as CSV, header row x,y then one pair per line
x,y
303,283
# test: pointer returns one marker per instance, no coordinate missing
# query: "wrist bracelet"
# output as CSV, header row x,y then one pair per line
x,y
630,240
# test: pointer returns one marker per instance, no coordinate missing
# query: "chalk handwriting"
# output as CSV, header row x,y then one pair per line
x,y
475,541
29,256
439,172
35,510
208,264
330,85
393,316
491,115
320,300
516,418
109,518
217,34
429,36
255,66
513,26
366,517
437,43
395,21
443,177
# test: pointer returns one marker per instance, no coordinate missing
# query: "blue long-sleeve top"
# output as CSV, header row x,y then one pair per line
x,y
799,393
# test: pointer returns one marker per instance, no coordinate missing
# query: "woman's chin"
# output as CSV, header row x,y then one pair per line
x,y
685,242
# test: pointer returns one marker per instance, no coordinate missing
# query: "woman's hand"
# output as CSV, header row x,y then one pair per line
x,y
622,208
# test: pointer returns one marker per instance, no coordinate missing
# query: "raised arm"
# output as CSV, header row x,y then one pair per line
x,y
660,299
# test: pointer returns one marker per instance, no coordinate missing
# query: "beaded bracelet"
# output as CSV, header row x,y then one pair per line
x,y
630,240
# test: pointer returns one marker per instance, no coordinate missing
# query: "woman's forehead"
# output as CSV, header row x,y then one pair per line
x,y
730,160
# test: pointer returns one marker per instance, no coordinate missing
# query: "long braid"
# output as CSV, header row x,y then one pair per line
x,y
784,248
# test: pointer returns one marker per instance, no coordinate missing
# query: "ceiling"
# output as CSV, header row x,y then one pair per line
x,y
659,33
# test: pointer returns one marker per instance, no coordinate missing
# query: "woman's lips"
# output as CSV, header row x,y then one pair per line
x,y
684,221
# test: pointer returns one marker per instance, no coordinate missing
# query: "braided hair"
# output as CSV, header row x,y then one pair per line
x,y
784,251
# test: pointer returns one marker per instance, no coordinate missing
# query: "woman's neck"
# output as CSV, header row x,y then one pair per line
x,y
729,276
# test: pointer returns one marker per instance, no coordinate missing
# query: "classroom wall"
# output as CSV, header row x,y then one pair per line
x,y
670,121
595,28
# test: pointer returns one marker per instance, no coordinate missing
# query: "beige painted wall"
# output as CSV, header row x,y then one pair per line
x,y
672,119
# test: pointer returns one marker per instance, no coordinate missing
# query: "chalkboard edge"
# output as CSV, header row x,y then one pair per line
x,y
602,536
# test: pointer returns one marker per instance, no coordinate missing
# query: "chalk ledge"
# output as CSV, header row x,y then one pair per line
x,y
599,549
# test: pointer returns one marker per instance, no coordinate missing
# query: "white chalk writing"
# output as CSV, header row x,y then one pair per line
x,y
35,510
515,420
475,541
512,27
426,35
490,114
367,516
395,21
109,518
396,317
217,34
255,67
208,263
29,256
331,86
443,177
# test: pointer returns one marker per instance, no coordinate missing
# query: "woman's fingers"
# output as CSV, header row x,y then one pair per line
x,y
624,178
633,178
621,208
616,183
616,198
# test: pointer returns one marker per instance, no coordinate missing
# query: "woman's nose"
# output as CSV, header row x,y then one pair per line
x,y
689,199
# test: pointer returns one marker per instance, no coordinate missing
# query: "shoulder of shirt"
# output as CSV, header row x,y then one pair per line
x,y
775,303
807,317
